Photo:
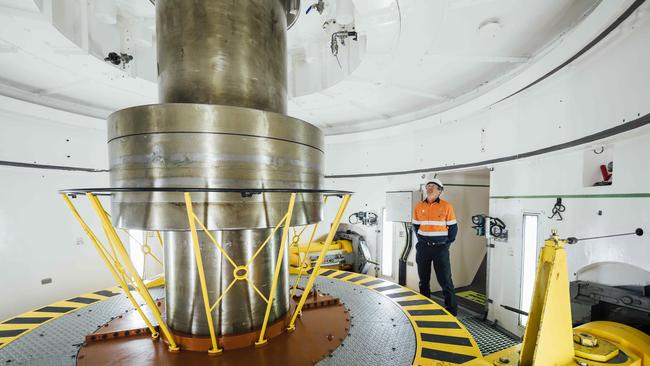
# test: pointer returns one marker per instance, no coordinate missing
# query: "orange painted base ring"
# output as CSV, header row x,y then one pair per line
x,y
319,331
204,343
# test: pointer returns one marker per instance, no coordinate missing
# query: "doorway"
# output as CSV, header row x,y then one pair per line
x,y
469,193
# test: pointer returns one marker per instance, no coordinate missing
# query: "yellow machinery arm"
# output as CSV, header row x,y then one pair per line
x,y
549,338
297,254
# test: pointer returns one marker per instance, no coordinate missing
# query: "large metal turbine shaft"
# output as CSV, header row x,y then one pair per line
x,y
222,84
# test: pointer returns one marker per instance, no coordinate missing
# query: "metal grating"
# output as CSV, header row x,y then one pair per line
x,y
488,338
380,332
57,342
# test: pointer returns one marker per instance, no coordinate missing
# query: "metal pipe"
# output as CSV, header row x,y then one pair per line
x,y
574,240
223,52
514,310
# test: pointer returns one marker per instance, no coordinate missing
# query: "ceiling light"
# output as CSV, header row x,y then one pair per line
x,y
489,28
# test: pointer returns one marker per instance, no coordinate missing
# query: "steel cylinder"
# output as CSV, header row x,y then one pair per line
x,y
220,125
227,52
241,309
208,146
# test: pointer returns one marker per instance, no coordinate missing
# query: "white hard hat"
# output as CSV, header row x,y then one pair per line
x,y
437,182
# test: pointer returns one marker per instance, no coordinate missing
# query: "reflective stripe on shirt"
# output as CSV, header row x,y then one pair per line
x,y
432,233
433,223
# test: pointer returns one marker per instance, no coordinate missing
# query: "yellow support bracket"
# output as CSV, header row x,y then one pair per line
x,y
302,263
305,258
115,240
285,233
232,283
213,240
548,338
319,262
146,249
295,239
160,239
199,264
117,272
266,300
284,218
156,281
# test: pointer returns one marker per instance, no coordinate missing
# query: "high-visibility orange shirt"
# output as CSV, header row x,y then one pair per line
x,y
436,221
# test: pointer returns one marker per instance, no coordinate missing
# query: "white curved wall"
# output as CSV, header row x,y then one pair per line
x,y
39,237
600,90
604,88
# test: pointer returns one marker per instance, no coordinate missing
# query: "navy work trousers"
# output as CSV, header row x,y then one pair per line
x,y
438,255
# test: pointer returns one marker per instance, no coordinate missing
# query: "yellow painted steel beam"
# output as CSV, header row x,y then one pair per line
x,y
199,264
548,338
285,233
155,282
268,238
232,283
141,287
319,262
266,300
114,271
160,239
146,249
306,257
212,239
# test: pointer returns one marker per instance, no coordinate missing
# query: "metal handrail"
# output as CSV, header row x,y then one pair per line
x,y
245,192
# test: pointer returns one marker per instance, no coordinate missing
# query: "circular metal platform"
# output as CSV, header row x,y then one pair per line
x,y
389,325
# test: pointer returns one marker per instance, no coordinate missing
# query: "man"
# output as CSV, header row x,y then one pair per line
x,y
435,226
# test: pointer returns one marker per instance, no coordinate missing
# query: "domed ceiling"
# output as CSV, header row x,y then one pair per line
x,y
355,65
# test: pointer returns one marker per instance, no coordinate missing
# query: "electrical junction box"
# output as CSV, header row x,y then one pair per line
x,y
400,205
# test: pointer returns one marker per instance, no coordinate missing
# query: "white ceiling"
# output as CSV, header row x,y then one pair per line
x,y
414,58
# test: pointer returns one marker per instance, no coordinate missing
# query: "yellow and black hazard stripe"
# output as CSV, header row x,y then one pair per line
x,y
440,338
472,296
14,328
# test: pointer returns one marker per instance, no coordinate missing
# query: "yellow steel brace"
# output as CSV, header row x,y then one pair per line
x,y
312,278
141,287
214,241
304,260
199,264
160,240
284,218
548,338
103,255
285,232
144,246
